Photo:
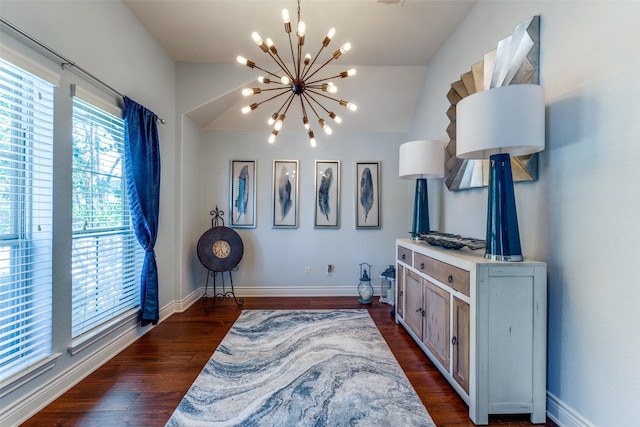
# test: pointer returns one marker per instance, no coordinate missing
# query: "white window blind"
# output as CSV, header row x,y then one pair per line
x,y
107,258
26,141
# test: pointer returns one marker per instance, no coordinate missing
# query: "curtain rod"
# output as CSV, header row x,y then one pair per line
x,y
63,60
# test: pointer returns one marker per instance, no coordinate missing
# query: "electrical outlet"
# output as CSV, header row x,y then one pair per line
x,y
307,271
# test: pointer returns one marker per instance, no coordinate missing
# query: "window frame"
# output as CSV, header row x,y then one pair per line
x,y
26,278
130,255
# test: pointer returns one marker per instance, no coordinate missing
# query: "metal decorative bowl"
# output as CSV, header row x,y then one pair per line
x,y
451,241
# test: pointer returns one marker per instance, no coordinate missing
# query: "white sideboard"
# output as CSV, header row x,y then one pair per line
x,y
483,324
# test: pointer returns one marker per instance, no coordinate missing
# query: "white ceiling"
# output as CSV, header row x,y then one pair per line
x,y
407,33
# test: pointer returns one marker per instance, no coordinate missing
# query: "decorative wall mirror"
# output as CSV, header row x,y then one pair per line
x,y
514,61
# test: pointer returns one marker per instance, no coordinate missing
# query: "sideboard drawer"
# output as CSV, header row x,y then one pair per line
x,y
405,255
455,277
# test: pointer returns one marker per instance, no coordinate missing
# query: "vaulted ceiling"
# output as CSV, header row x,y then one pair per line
x,y
392,43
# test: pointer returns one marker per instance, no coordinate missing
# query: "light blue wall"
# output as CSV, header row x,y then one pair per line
x,y
581,217
274,259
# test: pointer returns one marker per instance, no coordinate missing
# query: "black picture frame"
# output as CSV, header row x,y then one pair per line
x,y
242,193
367,194
327,194
285,193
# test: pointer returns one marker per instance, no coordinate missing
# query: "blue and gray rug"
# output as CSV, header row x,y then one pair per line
x,y
302,368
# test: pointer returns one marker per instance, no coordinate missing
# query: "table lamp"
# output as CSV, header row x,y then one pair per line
x,y
421,160
495,124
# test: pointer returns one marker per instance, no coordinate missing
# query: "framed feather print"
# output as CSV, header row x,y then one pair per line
x,y
242,194
367,187
327,197
285,193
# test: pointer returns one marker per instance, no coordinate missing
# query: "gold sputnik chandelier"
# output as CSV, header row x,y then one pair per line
x,y
300,82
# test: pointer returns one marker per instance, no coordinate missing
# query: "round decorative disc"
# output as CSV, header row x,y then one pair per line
x,y
220,249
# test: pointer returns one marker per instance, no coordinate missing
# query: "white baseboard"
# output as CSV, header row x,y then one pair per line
x,y
188,301
563,415
299,291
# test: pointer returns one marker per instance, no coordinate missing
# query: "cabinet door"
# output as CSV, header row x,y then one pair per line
x,y
460,341
436,327
413,301
400,284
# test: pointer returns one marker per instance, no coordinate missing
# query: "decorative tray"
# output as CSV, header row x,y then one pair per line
x,y
451,241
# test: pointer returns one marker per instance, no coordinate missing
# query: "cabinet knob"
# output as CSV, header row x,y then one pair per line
x,y
450,279
454,340
401,293
404,256
422,266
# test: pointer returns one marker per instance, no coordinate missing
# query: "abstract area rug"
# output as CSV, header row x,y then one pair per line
x,y
302,368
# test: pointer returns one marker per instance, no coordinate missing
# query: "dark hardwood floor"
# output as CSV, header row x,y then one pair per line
x,y
143,384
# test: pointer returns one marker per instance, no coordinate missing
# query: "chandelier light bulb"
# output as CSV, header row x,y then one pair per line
x,y
285,16
312,139
278,124
305,122
307,59
272,119
264,80
272,137
343,49
330,87
271,46
325,127
244,61
249,108
285,80
348,73
301,30
251,91
256,38
349,105
328,38
335,117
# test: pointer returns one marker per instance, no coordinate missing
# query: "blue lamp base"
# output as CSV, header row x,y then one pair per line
x,y
420,210
503,235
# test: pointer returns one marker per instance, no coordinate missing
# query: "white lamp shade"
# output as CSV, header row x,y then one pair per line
x,y
507,119
421,159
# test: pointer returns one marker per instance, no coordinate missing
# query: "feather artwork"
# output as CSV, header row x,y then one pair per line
x,y
243,193
366,192
323,192
284,192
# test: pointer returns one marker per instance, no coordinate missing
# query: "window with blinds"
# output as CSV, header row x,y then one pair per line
x,y
26,142
106,259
